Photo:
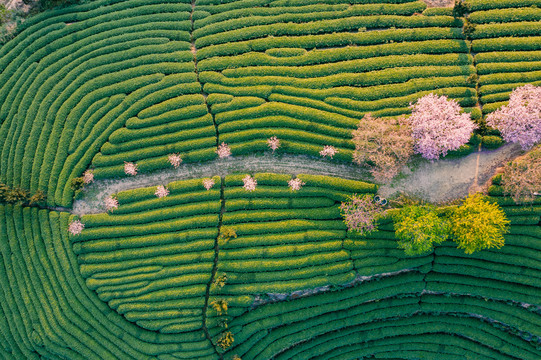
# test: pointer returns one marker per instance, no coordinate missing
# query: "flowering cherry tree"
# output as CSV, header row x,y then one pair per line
x,y
249,183
438,126
76,227
385,146
328,150
520,120
161,191
175,160
273,143
208,183
361,213
296,184
111,203
223,150
88,176
130,168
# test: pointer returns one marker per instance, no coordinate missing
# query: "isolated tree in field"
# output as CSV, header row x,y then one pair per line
x,y
88,176
385,146
208,183
418,228
225,340
522,177
175,160
295,184
161,191
223,150
249,183
478,224
111,203
273,143
438,126
328,150
361,213
76,227
130,168
520,120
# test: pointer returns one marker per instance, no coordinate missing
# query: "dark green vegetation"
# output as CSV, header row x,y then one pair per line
x,y
108,81
160,276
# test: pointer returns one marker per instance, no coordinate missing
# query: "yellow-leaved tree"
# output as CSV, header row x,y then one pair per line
x,y
479,224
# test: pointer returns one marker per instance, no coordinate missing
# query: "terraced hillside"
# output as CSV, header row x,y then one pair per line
x,y
150,285
227,273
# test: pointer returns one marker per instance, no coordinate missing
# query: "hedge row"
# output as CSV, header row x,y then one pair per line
x,y
478,5
505,15
327,26
351,66
215,25
444,46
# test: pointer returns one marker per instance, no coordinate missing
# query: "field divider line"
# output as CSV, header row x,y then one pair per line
x,y
203,93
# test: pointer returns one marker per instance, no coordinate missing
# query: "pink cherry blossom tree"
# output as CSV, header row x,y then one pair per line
x,y
88,176
438,126
223,150
130,168
296,184
361,213
161,191
273,143
76,227
249,183
208,183
328,150
111,203
175,160
384,146
520,120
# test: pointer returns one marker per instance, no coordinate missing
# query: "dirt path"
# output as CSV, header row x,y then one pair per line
x,y
451,179
435,182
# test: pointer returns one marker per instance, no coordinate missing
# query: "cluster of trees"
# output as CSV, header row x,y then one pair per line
x,y
438,125
16,195
475,225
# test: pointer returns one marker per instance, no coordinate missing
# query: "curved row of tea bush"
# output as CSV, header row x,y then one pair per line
x,y
47,310
73,77
507,44
152,259
307,74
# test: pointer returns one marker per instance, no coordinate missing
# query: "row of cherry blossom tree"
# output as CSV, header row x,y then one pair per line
x,y
438,125
111,202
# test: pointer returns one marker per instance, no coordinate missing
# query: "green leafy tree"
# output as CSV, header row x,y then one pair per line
x,y
418,228
479,224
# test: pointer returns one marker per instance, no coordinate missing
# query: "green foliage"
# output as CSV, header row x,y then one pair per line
x,y
478,224
492,141
460,8
77,183
418,228
469,28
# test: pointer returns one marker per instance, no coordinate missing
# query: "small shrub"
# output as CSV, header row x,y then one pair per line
x,y
225,340
492,142
77,183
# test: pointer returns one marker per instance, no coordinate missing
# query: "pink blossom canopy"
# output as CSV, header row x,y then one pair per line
x,y
273,143
88,176
223,150
130,168
161,191
208,183
76,227
249,183
111,203
520,120
328,150
438,126
175,160
296,184
361,213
